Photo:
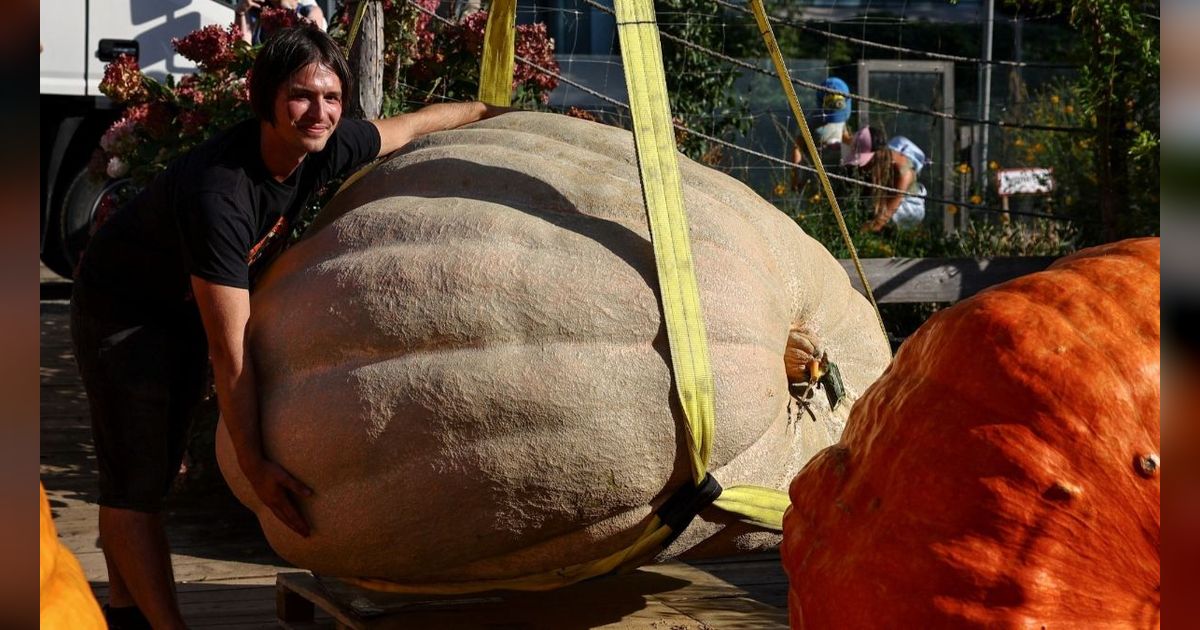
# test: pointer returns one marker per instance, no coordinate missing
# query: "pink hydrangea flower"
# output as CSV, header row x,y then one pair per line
x,y
211,47
118,137
116,168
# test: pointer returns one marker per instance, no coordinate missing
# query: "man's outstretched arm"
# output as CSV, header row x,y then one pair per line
x,y
225,312
397,131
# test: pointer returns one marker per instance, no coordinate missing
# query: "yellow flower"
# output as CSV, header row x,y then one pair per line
x,y
815,198
1019,142
780,189
1054,99
976,199
1039,148
952,209
1070,109
964,168
993,165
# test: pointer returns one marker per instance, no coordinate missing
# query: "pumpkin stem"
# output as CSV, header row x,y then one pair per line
x,y
808,367
801,357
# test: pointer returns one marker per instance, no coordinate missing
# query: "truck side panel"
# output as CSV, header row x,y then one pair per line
x,y
153,24
63,38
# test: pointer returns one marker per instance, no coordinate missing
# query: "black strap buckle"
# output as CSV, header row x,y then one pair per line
x,y
683,506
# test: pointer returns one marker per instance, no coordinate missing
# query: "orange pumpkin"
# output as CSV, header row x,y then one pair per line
x,y
1003,472
66,597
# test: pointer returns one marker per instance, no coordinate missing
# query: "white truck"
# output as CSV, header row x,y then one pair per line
x,y
78,37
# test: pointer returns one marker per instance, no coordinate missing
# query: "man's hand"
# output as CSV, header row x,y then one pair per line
x,y
278,490
225,311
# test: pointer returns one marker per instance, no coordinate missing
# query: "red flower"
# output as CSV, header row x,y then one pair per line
x,y
211,47
104,210
192,121
534,44
272,19
583,114
242,87
154,118
189,90
123,81
470,32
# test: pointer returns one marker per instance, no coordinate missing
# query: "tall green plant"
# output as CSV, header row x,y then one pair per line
x,y
700,85
1117,91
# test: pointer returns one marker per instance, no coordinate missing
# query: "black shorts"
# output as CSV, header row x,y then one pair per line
x,y
144,370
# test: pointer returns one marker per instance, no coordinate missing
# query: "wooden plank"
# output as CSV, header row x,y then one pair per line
x,y
899,280
194,569
737,612
671,595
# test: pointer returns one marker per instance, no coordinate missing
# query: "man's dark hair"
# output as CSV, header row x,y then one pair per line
x,y
288,50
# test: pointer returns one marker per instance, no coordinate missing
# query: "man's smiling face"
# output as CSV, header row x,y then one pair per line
x,y
308,107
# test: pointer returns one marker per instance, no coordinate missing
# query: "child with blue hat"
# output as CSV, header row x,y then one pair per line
x,y
828,119
827,122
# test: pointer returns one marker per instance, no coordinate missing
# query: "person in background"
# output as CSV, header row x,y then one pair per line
x,y
246,15
894,164
827,122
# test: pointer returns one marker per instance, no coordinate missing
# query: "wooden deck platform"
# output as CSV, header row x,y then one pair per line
x,y
228,574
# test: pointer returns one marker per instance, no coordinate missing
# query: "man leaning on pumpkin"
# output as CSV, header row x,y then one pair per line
x,y
165,286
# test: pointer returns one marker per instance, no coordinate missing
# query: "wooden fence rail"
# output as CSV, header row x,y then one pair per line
x,y
898,280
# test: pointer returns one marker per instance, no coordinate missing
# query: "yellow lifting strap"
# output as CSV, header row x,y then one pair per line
x,y
785,78
359,12
499,51
654,141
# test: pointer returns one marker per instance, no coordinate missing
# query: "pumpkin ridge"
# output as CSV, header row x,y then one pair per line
x,y
637,223
637,228
1104,307
364,266
469,140
1025,370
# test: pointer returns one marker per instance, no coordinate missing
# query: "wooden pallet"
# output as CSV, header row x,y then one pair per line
x,y
671,596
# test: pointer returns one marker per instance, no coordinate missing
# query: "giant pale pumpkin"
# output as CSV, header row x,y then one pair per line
x,y
1004,470
467,362
66,597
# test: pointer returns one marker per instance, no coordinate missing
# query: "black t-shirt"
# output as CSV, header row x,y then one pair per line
x,y
214,213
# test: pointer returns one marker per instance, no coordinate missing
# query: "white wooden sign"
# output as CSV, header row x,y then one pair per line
x,y
1024,181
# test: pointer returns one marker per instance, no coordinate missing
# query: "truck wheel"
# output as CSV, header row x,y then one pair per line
x,y
87,199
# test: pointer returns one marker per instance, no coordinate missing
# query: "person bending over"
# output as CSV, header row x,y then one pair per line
x,y
165,285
